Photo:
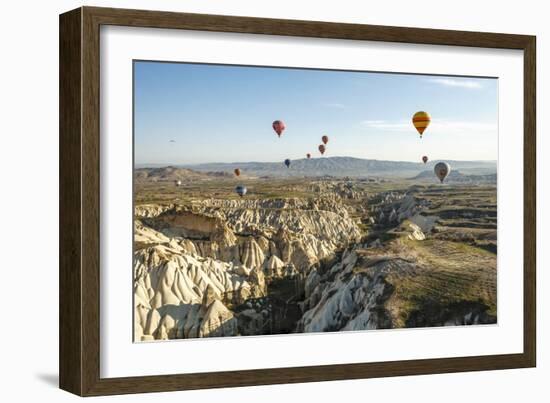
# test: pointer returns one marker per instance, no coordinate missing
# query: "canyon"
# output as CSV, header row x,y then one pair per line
x,y
309,255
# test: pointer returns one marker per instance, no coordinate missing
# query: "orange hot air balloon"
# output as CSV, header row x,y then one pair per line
x,y
308,155
322,149
237,172
424,159
279,127
324,139
421,120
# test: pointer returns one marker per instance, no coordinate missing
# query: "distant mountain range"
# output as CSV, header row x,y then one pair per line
x,y
171,173
344,166
329,166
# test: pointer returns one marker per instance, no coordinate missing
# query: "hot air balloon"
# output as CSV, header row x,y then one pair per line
x,y
241,190
421,120
279,127
237,171
177,183
308,155
324,139
424,159
442,170
287,163
322,149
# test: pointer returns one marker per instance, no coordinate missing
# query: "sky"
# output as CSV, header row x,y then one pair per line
x,y
197,113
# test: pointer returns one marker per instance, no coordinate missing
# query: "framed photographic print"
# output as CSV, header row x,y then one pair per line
x,y
249,201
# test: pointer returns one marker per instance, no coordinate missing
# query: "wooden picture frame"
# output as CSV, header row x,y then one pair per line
x,y
79,348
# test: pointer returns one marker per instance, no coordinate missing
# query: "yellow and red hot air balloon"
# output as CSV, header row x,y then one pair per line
x,y
308,155
421,120
424,159
279,127
322,149
324,139
237,172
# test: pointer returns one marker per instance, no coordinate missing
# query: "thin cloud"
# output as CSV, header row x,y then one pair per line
x,y
441,125
461,126
386,125
336,105
453,82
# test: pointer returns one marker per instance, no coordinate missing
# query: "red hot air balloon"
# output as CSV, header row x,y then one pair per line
x,y
237,172
324,139
279,127
424,159
308,155
322,149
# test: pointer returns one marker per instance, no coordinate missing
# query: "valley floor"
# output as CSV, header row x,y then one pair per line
x,y
310,255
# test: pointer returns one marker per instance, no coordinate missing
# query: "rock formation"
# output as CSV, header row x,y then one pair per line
x,y
342,260
192,264
368,290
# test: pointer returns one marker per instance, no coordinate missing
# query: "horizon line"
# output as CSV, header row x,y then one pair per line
x,y
304,159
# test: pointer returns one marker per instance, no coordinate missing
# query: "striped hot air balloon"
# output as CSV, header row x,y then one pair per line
x,y
421,120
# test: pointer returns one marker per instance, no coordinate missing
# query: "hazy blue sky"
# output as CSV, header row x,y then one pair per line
x,y
224,114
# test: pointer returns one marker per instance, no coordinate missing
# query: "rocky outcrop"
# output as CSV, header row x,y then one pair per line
x,y
325,225
180,295
193,263
409,229
274,266
389,209
401,286
145,236
351,301
251,254
150,210
218,321
248,232
183,223
425,222
415,233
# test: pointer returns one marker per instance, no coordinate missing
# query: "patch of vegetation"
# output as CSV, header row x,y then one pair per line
x,y
447,273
